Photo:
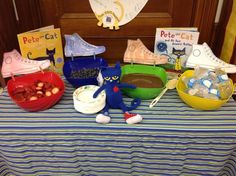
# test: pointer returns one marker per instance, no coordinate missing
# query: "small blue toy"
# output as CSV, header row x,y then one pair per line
x,y
111,85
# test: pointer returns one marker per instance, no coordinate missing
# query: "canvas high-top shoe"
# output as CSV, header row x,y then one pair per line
x,y
203,56
69,45
14,64
76,46
136,52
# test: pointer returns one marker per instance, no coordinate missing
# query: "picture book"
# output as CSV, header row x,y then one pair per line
x,y
43,43
176,44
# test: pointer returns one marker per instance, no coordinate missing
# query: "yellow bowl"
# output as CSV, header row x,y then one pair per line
x,y
198,102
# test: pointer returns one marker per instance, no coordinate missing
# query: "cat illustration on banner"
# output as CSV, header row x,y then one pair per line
x,y
109,19
50,56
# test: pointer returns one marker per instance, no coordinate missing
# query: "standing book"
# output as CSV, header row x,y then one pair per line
x,y
43,43
176,44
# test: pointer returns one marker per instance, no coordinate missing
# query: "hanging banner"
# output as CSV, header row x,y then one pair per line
x,y
114,13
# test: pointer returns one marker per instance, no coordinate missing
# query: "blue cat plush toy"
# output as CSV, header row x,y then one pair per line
x,y
111,85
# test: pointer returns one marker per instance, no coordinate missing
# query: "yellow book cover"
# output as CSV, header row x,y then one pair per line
x,y
43,43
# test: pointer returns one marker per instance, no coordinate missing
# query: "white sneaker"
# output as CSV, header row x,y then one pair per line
x,y
14,64
203,56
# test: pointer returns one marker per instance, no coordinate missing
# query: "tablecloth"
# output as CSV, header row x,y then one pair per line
x,y
173,139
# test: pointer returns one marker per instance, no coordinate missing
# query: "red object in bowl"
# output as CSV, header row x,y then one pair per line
x,y
28,80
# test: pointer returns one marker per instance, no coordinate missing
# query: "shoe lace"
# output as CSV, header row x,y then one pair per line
x,y
83,42
147,51
211,55
24,60
70,44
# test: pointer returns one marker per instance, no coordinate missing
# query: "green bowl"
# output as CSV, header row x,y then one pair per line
x,y
144,93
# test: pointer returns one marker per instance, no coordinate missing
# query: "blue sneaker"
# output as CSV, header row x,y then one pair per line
x,y
76,46
69,45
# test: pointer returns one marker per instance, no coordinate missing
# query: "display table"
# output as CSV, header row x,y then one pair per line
x,y
173,139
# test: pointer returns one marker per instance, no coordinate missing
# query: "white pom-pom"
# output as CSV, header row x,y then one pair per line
x,y
103,119
135,119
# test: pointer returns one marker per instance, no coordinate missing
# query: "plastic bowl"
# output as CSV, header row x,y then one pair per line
x,y
198,102
144,93
84,101
83,70
28,80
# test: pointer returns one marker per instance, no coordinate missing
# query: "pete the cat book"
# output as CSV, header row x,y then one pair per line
x,y
43,43
176,44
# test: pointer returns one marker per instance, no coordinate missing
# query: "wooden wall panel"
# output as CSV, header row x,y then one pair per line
x,y
143,25
83,6
220,27
29,15
204,18
77,16
8,31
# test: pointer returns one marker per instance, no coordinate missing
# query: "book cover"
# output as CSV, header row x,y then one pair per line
x,y
43,43
176,44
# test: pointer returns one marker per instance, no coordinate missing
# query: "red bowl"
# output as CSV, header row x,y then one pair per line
x,y
28,80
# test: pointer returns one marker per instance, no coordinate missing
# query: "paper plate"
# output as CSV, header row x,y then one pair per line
x,y
84,101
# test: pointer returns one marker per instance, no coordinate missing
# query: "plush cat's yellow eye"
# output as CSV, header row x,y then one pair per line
x,y
115,77
107,78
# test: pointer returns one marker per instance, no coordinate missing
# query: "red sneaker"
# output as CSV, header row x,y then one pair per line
x,y
132,118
